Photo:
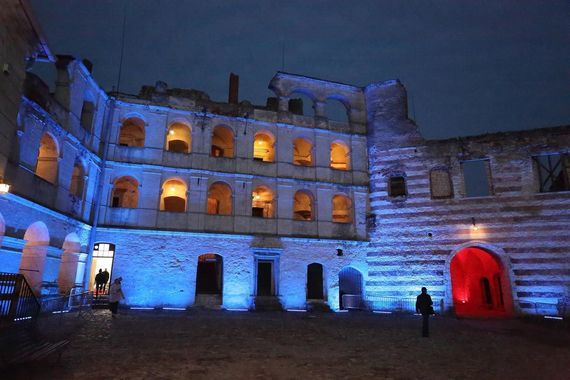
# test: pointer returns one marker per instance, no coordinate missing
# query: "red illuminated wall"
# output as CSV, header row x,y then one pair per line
x,y
477,283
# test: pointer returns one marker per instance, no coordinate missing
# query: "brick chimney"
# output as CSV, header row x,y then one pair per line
x,y
234,89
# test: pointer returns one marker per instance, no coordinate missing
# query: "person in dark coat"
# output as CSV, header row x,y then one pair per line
x,y
105,279
99,282
425,308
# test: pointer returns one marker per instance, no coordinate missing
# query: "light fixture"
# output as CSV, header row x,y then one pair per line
x,y
4,187
171,132
474,224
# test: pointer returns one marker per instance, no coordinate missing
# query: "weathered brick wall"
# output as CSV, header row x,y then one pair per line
x,y
415,236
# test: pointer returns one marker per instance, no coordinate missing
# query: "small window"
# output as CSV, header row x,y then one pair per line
x,y
476,175
553,172
440,184
397,186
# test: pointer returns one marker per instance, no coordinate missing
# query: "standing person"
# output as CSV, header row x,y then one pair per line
x,y
424,307
115,295
98,282
105,279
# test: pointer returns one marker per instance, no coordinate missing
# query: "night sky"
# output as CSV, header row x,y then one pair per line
x,y
470,66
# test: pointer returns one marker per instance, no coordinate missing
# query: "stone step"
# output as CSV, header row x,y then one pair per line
x,y
318,307
267,304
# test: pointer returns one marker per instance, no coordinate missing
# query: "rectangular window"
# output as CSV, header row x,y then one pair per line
x,y
476,176
440,184
553,172
397,187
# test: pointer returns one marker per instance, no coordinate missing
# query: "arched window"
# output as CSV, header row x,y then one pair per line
x,y
125,193
302,152
132,132
173,196
179,138
303,205
220,199
77,180
340,156
341,209
263,147
336,110
222,142
262,202
48,156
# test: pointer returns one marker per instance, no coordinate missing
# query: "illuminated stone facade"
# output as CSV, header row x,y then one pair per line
x,y
235,205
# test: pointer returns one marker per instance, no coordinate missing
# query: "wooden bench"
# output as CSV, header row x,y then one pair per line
x,y
22,345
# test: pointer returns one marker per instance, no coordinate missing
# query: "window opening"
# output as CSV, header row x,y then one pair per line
x,y
553,172
476,176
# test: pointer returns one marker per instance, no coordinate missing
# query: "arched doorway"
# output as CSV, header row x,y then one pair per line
x,y
103,256
350,288
209,280
315,282
479,284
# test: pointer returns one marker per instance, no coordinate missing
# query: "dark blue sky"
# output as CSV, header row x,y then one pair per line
x,y
470,66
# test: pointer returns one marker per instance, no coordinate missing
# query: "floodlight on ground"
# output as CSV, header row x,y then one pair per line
x,y
297,310
174,308
553,317
381,312
141,308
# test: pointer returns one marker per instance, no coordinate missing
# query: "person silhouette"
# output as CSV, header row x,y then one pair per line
x,y
424,307
105,279
99,282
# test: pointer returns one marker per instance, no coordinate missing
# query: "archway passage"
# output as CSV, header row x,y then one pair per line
x,y
48,158
315,282
132,132
350,288
263,147
209,279
179,138
262,202
222,142
173,197
302,152
478,284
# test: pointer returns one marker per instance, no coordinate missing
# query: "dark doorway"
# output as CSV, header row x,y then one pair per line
x,y
315,282
264,278
209,274
350,288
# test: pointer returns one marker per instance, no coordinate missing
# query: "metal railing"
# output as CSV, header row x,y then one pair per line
x,y
17,300
403,304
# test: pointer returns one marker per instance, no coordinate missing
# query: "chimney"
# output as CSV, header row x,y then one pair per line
x,y
234,89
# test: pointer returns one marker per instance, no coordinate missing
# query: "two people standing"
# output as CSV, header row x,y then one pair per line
x,y
424,306
101,280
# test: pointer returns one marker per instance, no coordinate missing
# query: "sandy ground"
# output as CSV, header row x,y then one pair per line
x,y
243,345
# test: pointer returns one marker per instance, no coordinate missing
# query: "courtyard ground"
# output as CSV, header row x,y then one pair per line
x,y
202,344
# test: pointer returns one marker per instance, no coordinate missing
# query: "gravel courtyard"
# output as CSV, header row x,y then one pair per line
x,y
242,345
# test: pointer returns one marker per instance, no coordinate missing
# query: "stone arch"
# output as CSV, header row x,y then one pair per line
x,y
48,158
34,255
302,102
179,137
174,195
340,155
132,132
222,142
341,208
220,199
125,192
337,109
77,184
262,202
351,286
264,146
209,280
303,205
68,267
302,152
502,290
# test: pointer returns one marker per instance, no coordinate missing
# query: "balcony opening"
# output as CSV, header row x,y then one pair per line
x,y
341,209
48,159
125,193
77,180
340,156
220,199
222,142
179,138
302,152
132,132
263,147
174,196
303,205
262,202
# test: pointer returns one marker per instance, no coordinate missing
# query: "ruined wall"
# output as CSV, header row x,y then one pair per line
x,y
414,237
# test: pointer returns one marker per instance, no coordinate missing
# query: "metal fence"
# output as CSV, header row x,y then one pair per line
x,y
402,304
17,300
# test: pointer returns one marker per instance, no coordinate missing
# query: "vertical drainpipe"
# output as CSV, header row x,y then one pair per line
x,y
99,192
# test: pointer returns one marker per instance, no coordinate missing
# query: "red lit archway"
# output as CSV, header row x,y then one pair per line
x,y
479,284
